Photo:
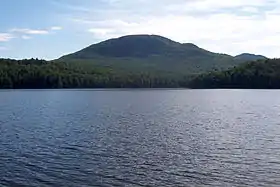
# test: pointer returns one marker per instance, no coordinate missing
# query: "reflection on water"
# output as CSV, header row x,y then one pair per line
x,y
140,138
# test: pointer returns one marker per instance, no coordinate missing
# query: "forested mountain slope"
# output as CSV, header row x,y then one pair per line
x,y
136,61
151,53
39,74
262,74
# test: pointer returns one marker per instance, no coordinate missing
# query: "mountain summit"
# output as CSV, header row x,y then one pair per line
x,y
146,52
138,46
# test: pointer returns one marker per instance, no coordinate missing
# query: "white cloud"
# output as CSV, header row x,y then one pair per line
x,y
101,32
219,33
25,37
220,4
249,9
30,31
25,33
231,27
82,21
56,28
4,37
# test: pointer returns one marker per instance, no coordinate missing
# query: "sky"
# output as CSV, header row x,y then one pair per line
x,y
49,29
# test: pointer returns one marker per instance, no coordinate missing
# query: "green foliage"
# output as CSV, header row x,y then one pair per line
x,y
262,74
151,53
38,74
138,61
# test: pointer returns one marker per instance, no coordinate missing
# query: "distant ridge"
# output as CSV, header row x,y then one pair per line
x,y
138,46
145,52
249,57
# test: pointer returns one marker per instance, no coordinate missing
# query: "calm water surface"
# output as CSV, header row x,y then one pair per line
x,y
140,138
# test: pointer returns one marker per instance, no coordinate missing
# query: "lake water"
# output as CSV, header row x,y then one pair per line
x,y
140,138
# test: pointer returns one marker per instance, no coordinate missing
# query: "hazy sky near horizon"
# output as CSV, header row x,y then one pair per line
x,y
51,28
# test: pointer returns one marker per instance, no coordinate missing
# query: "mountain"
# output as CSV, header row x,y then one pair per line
x,y
249,57
139,46
140,61
150,53
261,74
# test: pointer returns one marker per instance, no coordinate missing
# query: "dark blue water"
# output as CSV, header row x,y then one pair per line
x,y
140,138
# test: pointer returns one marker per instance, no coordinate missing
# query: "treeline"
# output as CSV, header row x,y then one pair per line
x,y
39,74
263,74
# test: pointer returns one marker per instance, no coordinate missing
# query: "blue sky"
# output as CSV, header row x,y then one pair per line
x,y
51,28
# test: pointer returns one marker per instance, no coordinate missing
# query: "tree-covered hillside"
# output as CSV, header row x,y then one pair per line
x,y
137,61
151,53
249,57
37,74
263,74
139,46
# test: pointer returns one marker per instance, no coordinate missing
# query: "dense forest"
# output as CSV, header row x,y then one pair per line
x,y
262,74
37,74
141,61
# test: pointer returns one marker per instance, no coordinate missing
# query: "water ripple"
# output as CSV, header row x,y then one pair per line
x,y
146,138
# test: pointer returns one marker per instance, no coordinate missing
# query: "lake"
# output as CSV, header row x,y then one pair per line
x,y
140,138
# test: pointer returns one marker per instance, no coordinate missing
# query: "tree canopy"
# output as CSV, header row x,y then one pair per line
x,y
36,74
262,74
